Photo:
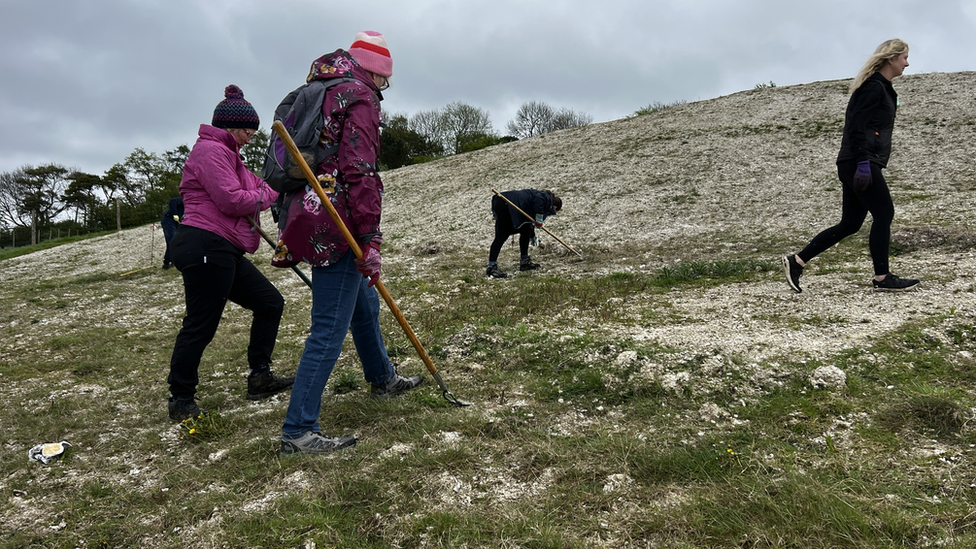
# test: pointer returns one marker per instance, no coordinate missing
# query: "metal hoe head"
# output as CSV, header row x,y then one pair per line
x,y
447,394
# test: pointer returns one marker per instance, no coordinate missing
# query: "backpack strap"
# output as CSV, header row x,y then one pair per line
x,y
329,151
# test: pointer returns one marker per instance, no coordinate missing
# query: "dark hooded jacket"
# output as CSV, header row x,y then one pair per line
x,y
530,201
869,121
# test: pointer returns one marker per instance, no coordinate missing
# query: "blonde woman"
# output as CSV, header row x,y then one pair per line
x,y
864,151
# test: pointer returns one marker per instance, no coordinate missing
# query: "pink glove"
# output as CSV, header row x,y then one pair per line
x,y
369,265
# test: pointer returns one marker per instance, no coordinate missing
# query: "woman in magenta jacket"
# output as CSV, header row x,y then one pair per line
x,y
219,193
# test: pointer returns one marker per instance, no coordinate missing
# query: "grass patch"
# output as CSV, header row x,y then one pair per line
x,y
582,433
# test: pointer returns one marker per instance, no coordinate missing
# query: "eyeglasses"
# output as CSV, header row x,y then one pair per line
x,y
385,85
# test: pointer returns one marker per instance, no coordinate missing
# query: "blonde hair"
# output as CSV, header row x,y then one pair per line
x,y
889,49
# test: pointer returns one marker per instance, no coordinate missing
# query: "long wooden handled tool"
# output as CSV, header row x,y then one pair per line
x,y
568,247
279,128
274,246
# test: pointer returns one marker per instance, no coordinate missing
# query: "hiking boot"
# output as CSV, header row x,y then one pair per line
x,y
313,442
397,385
526,264
793,272
264,384
892,283
184,408
494,271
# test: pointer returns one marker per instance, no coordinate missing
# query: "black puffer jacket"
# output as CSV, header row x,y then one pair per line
x,y
869,121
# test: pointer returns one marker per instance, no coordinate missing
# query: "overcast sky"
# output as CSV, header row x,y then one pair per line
x,y
84,82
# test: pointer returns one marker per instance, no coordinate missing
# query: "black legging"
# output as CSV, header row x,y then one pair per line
x,y
505,228
876,199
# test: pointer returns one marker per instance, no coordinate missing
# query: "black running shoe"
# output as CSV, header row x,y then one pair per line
x,y
893,283
184,408
266,384
526,264
793,272
494,271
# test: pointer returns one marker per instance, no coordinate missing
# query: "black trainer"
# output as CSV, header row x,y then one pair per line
x,y
793,272
265,384
494,271
397,385
526,264
184,408
893,283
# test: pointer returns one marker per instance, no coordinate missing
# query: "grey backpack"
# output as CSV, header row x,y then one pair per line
x,y
301,114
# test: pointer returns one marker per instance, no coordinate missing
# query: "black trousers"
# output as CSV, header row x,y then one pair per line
x,y
215,271
876,199
505,228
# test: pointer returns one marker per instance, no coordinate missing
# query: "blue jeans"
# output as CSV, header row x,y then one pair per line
x,y
341,302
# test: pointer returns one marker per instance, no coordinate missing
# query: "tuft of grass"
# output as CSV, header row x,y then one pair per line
x,y
716,271
207,426
658,106
937,414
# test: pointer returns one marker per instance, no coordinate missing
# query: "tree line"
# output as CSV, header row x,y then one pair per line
x,y
36,201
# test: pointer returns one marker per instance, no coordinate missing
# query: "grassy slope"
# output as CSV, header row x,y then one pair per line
x,y
661,391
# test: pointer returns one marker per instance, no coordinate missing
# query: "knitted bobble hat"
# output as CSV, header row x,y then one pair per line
x,y
370,51
234,111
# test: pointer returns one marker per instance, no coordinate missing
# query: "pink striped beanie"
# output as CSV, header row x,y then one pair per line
x,y
370,51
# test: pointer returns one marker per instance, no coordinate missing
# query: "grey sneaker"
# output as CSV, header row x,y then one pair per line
x,y
793,272
526,264
184,408
893,283
397,385
313,442
495,272
266,384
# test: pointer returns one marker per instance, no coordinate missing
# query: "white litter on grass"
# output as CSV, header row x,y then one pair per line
x,y
46,453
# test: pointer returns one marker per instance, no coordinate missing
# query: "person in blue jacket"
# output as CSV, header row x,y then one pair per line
x,y
509,221
170,221
864,151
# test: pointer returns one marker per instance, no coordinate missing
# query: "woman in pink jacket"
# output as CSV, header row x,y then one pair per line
x,y
219,193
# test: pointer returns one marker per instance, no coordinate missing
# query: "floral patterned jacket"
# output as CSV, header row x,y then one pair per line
x,y
352,119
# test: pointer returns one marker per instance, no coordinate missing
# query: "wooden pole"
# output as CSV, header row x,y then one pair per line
x,y
568,247
279,128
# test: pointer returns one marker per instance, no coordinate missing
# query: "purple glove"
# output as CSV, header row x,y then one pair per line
x,y
369,265
862,177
